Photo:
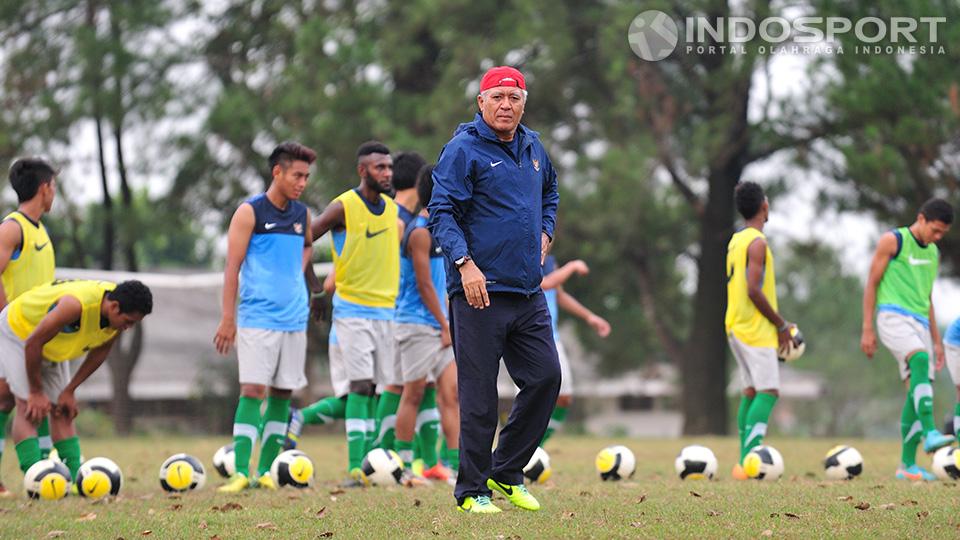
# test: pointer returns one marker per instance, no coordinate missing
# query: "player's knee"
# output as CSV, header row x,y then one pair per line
x,y
775,392
365,387
564,400
7,402
280,393
413,393
750,392
254,391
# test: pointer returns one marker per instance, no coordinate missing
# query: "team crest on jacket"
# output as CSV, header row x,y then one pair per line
x,y
536,165
298,228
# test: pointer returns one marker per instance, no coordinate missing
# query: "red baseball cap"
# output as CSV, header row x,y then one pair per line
x,y
502,76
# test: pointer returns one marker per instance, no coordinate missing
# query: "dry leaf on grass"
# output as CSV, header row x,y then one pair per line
x,y
636,524
862,505
642,498
322,512
176,507
567,514
56,534
767,532
888,506
202,526
712,513
791,515
847,498
147,532
775,515
327,534
337,491
909,503
586,494
267,526
922,514
695,494
417,502
89,516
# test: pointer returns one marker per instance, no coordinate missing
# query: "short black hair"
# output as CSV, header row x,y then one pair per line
x,y
133,296
288,152
26,176
372,147
406,165
937,210
749,197
425,185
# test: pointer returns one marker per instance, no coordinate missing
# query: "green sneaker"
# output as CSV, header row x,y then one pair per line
x,y
517,495
480,504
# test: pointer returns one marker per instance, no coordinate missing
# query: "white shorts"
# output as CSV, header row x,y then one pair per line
x,y
54,376
419,352
368,350
272,357
566,376
338,371
759,366
953,361
903,335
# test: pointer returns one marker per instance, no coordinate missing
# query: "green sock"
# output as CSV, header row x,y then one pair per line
x,y
69,450
428,426
273,433
921,390
910,432
443,444
371,433
325,411
956,420
451,456
405,449
742,413
556,422
4,415
417,443
28,452
757,418
356,412
246,428
386,417
43,435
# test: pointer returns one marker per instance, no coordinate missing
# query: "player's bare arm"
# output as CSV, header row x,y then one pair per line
x,y
418,247
10,238
67,311
307,245
560,276
938,351
332,217
238,238
756,261
571,305
67,402
886,249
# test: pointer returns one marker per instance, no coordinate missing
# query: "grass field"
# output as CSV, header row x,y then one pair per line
x,y
576,504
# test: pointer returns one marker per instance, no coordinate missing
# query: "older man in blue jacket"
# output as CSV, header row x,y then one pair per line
x,y
493,212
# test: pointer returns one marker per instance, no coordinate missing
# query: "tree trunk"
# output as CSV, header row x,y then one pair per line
x,y
126,351
94,80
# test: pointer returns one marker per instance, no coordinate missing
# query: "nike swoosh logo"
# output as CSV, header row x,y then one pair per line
x,y
371,235
492,164
40,246
269,226
917,262
507,489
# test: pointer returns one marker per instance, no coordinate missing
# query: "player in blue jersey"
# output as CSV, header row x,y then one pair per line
x,y
268,247
951,345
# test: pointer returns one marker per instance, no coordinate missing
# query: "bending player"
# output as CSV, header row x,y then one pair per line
x,y
40,333
268,247
755,329
26,261
557,298
898,288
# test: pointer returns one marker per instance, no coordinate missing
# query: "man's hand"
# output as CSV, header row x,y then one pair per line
x,y
784,339
226,335
318,307
599,325
445,339
544,246
868,342
474,285
579,267
38,407
939,354
66,405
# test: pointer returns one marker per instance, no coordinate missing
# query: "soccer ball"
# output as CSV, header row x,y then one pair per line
x,y
945,463
224,461
382,467
538,468
292,468
47,479
763,463
696,462
616,463
182,472
98,478
791,352
843,463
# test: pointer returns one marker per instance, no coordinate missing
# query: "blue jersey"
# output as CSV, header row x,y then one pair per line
x,y
273,293
345,309
549,265
953,333
410,307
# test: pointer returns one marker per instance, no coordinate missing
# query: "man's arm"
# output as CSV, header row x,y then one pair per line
x,y
307,245
67,402
571,305
66,312
418,245
560,276
938,351
238,239
11,236
886,250
756,261
333,216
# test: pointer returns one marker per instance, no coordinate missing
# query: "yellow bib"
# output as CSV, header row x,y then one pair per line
x,y
368,266
743,319
26,312
34,264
